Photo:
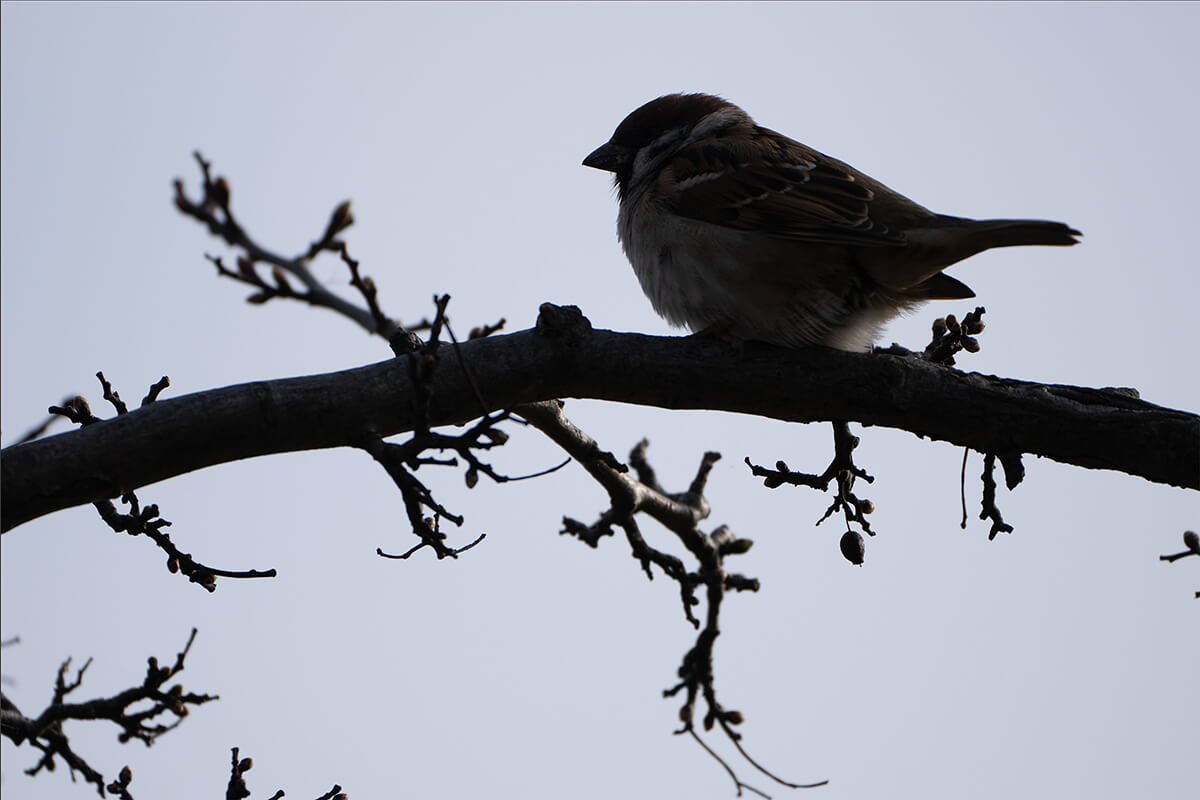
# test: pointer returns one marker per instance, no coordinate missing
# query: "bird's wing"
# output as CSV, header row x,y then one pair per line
x,y
779,187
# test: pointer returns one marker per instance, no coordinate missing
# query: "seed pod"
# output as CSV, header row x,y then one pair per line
x,y
853,547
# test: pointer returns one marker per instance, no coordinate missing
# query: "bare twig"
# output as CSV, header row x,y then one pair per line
x,y
962,487
156,389
681,513
45,732
213,210
1192,542
112,397
77,410
845,472
39,430
236,789
481,331
146,521
989,510
401,460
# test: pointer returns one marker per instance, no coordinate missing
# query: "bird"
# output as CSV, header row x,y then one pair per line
x,y
737,231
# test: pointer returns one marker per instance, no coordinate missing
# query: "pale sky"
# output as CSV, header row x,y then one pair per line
x,y
1057,662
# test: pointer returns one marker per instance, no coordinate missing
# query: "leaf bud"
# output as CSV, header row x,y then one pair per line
x,y
735,547
281,281
495,436
221,191
722,536
341,218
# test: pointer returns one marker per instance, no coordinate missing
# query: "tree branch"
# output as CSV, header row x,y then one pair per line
x,y
564,357
126,708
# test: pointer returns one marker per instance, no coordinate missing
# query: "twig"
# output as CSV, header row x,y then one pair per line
x,y
1192,542
45,732
989,510
39,430
951,337
213,210
844,472
681,513
120,786
146,521
962,487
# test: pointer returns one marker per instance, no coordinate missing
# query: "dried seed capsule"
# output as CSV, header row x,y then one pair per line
x,y
853,547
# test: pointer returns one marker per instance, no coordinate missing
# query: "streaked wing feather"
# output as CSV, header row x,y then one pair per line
x,y
781,189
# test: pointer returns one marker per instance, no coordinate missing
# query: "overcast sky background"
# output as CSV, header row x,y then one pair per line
x,y
1057,662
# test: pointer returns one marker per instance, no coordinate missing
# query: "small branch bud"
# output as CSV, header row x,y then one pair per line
x,y
221,192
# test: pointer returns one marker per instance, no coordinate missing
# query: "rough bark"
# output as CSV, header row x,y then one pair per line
x,y
564,358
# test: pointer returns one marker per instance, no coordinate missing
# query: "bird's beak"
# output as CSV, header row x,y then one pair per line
x,y
608,157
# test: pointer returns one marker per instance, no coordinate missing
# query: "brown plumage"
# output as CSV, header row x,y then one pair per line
x,y
734,226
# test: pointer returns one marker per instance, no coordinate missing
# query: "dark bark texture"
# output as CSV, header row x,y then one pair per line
x,y
563,357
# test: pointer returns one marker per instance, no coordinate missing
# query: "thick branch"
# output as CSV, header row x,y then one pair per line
x,y
563,357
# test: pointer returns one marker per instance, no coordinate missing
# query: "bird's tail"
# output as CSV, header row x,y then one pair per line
x,y
913,270
1016,232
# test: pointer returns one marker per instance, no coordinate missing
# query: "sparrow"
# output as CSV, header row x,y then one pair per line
x,y
739,231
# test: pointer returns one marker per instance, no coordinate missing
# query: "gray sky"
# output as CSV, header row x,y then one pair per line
x,y
1057,662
